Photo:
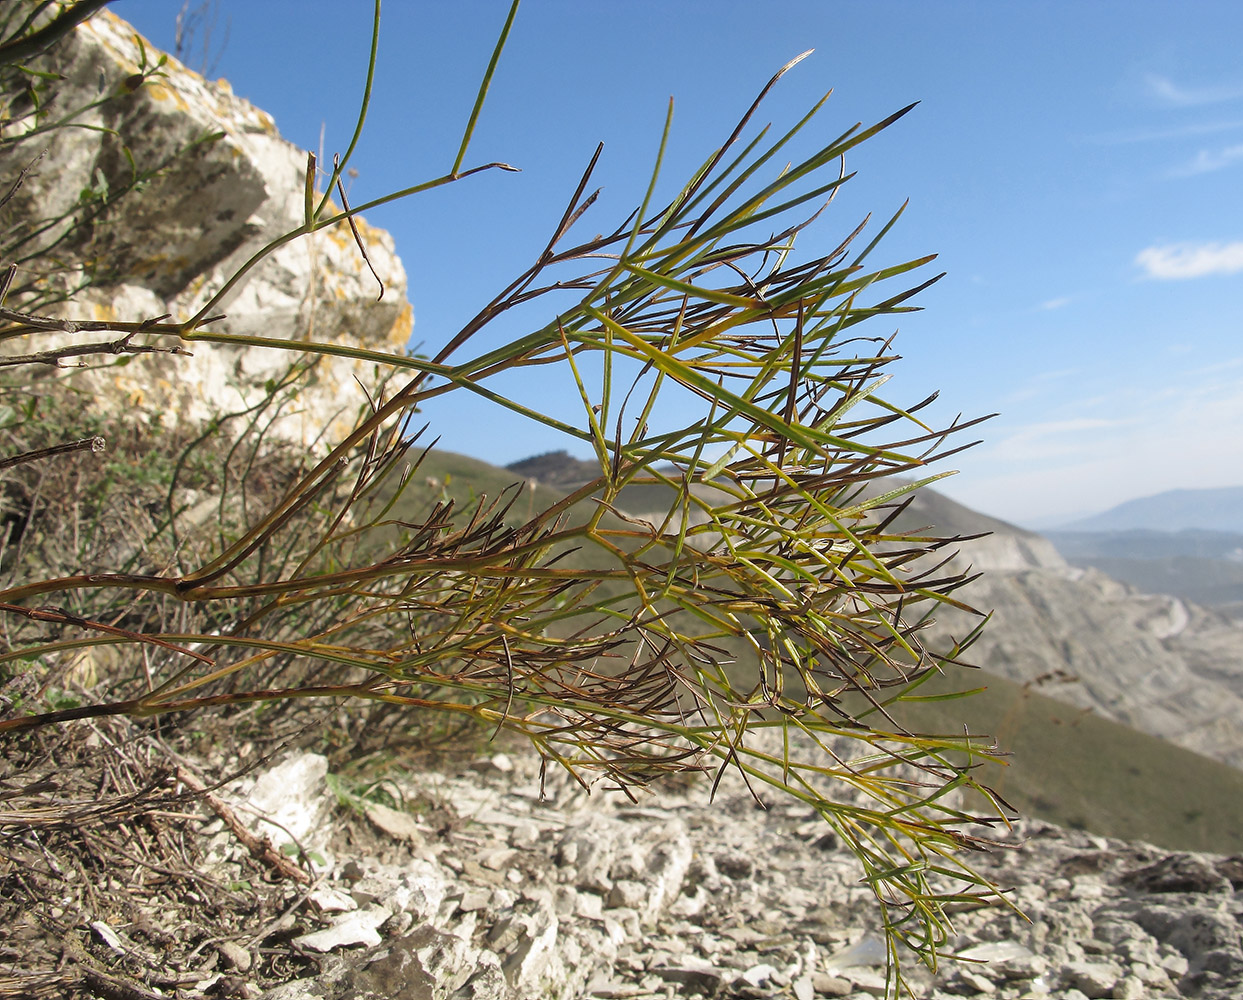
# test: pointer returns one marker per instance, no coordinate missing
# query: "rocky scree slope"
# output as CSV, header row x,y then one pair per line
x,y
577,895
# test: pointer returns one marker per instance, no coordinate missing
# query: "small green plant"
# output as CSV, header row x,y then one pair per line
x,y
355,795
297,853
764,623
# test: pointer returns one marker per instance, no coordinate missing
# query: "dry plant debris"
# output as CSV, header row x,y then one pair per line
x,y
104,889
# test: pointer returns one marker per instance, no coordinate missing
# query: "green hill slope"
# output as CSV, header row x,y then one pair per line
x,y
1078,770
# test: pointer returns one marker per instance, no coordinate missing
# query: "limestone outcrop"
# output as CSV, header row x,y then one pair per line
x,y
183,183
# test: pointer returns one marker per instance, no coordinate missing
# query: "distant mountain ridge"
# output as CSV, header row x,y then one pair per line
x,y
1146,543
1219,509
1183,542
1156,662
556,468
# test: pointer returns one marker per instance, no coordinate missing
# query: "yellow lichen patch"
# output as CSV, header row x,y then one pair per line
x,y
191,292
160,265
340,235
104,312
127,59
399,333
268,122
367,230
160,92
126,30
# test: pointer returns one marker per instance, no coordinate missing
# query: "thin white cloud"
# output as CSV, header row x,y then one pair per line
x,y
1066,467
1065,300
1037,386
1055,439
1188,131
1179,261
1172,94
1225,365
1207,161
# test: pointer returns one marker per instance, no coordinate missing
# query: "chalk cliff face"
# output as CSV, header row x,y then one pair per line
x,y
169,244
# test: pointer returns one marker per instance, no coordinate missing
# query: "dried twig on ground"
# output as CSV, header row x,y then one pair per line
x,y
260,847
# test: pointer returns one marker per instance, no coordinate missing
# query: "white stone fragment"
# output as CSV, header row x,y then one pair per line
x,y
528,966
870,950
357,927
331,900
108,936
589,906
235,955
291,804
626,892
418,890
757,975
975,982
1095,980
396,823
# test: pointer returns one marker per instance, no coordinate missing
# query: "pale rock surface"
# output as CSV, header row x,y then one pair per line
x,y
168,247
288,806
600,905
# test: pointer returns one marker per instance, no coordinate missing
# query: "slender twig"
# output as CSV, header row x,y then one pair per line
x,y
60,616
56,356
260,847
30,323
358,239
94,445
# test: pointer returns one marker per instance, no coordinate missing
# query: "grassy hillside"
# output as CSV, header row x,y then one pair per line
x,y
1076,769
444,475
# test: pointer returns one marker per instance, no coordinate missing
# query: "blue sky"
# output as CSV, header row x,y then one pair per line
x,y
1077,167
